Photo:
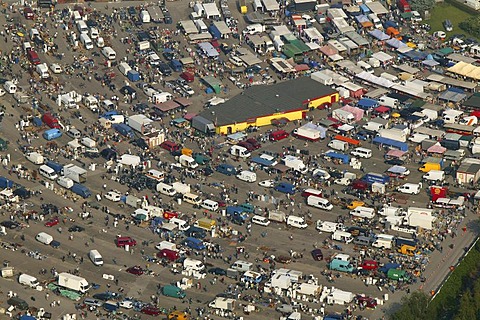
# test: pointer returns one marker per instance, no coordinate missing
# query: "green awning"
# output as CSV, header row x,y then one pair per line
x,y
407,15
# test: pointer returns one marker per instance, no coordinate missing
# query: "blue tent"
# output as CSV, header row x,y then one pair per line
x,y
25,317
366,103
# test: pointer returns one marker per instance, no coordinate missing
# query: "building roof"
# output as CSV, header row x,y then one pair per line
x,y
262,100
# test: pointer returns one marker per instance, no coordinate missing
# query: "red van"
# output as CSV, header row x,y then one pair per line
x,y
50,121
125,241
33,57
28,13
278,135
168,254
369,265
170,146
187,76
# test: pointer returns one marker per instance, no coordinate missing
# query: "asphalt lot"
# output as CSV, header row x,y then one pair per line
x,y
273,240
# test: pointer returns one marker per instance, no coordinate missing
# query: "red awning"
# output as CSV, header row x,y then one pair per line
x,y
395,153
436,148
382,109
301,67
167,106
184,102
189,116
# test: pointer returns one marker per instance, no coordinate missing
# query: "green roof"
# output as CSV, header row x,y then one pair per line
x,y
291,51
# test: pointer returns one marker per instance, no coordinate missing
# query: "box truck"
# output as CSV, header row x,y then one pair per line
x,y
72,282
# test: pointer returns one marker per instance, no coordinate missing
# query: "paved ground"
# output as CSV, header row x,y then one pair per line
x,y
97,235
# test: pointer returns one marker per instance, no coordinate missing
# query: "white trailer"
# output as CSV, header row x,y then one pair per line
x,y
340,297
295,163
394,134
181,187
72,282
323,78
226,304
307,134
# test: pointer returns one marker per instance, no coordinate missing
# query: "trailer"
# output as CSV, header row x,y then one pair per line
x,y
310,132
277,216
226,304
394,134
340,297
343,116
75,173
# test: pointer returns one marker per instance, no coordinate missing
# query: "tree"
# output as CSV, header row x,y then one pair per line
x,y
467,310
471,26
413,307
422,5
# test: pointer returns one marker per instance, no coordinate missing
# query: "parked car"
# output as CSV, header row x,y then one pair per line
x,y
151,310
317,254
217,271
52,222
76,228
136,270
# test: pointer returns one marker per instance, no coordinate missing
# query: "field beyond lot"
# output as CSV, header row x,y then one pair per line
x,y
442,11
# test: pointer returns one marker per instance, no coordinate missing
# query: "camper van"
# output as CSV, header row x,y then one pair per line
x,y
86,41
342,236
296,222
166,189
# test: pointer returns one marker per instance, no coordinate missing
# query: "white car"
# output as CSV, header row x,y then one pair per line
x,y
2,92
440,34
55,67
113,196
267,183
321,174
262,221
126,304
343,181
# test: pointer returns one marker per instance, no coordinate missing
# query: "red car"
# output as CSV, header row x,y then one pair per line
x,y
366,302
52,222
136,270
151,310
369,265
246,145
170,146
254,143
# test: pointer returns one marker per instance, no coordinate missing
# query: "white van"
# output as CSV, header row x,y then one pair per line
x,y
361,153
210,205
77,16
363,212
383,241
86,41
65,182
236,61
88,142
82,27
28,280
365,66
201,26
242,266
47,172
10,87
44,238
193,264
192,199
247,176
166,189
109,53
94,33
434,175
342,236
296,222
320,203
338,145
95,257
182,225
74,133
262,221
328,226
410,188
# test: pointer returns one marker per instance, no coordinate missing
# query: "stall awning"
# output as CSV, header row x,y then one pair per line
x,y
167,106
395,153
436,148
184,102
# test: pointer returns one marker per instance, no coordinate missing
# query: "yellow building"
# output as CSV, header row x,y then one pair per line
x,y
260,105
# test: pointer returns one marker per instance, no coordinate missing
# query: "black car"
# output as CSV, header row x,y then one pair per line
x,y
164,69
207,171
108,154
102,296
132,11
76,228
395,162
10,224
217,271
317,254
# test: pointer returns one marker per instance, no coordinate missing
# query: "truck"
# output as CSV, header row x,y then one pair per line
x,y
75,173
156,14
391,211
140,123
187,161
307,133
295,163
343,116
203,125
394,134
72,282
42,70
277,216
81,190
221,303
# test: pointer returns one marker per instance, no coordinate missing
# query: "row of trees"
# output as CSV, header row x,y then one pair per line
x,y
459,298
471,26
